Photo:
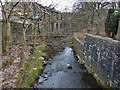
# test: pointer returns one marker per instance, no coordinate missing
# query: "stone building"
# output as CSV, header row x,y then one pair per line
x,y
51,20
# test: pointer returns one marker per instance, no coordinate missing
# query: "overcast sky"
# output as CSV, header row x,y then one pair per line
x,y
60,4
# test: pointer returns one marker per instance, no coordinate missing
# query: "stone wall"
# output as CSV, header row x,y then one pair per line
x,y
101,56
78,47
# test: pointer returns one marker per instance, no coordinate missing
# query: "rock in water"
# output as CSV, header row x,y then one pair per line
x,y
41,80
69,66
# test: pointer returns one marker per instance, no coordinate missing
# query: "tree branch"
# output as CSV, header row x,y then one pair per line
x,y
12,9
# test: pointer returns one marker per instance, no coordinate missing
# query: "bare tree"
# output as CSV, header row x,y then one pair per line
x,y
25,18
92,14
6,15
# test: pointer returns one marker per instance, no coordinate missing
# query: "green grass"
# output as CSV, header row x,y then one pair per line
x,y
32,69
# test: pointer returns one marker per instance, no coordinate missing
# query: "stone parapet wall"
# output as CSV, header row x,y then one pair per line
x,y
101,56
78,47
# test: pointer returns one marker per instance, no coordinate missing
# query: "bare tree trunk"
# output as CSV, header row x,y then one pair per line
x,y
98,18
6,16
7,38
34,27
23,48
23,40
1,27
88,28
98,25
35,36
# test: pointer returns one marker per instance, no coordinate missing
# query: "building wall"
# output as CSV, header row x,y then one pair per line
x,y
50,22
101,56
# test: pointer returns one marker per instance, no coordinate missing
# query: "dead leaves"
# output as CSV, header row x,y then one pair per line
x,y
10,74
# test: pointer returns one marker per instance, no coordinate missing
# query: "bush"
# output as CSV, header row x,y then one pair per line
x,y
111,24
111,10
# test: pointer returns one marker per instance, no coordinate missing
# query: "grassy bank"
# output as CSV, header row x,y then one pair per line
x,y
32,68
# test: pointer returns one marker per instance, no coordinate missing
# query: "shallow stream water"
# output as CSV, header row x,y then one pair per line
x,y
57,74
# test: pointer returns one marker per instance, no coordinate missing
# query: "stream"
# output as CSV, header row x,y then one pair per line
x,y
64,71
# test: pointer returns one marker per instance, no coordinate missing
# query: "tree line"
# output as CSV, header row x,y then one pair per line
x,y
93,15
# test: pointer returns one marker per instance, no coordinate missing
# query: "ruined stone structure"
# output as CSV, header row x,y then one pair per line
x,y
51,20
101,56
54,22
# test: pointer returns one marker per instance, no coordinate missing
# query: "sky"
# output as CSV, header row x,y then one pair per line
x,y
60,4
63,5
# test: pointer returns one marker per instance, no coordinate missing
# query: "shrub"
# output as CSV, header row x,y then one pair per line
x,y
111,24
111,10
